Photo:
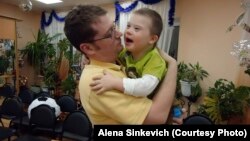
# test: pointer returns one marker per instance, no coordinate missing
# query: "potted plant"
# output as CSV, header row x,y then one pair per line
x,y
58,74
189,76
38,51
224,101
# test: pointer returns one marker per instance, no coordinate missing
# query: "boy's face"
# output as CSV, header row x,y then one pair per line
x,y
138,38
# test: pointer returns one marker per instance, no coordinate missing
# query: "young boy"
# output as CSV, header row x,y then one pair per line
x,y
143,64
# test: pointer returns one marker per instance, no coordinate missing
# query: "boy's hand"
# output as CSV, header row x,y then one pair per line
x,y
179,120
103,83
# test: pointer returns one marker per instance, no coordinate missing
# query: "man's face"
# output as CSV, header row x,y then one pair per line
x,y
107,43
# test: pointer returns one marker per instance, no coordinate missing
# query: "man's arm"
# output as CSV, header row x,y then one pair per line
x,y
163,99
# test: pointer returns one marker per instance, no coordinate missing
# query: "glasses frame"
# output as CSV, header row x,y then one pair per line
x,y
107,35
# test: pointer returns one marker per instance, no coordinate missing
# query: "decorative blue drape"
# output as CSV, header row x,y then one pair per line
x,y
47,23
119,9
171,12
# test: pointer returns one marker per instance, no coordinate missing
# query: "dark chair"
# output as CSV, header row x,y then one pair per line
x,y
43,118
77,126
197,119
6,133
26,95
28,137
67,103
7,90
12,109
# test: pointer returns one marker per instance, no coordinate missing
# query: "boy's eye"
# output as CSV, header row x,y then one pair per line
x,y
137,28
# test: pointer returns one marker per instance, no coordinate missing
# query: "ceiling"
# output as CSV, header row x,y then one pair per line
x,y
65,5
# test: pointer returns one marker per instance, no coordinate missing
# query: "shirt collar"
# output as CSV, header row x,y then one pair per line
x,y
105,64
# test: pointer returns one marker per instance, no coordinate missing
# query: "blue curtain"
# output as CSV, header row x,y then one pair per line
x,y
119,9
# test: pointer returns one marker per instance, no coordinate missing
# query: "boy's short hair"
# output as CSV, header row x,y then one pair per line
x,y
155,17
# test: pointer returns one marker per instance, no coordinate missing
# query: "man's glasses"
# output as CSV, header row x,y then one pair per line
x,y
109,34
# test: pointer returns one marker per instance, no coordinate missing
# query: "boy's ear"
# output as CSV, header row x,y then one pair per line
x,y
154,39
87,48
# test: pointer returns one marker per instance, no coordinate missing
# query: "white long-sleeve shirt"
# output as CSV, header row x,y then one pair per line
x,y
140,86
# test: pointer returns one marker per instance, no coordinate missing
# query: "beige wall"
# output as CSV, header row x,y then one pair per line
x,y
7,30
111,10
203,37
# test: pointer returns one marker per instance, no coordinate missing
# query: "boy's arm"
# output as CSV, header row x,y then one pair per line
x,y
140,86
136,87
106,82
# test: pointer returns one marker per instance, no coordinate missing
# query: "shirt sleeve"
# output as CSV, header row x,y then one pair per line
x,y
140,86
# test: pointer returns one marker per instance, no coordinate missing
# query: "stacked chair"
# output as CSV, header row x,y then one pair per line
x,y
198,119
43,119
77,126
12,110
6,133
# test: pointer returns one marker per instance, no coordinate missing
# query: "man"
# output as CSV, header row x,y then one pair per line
x,y
91,31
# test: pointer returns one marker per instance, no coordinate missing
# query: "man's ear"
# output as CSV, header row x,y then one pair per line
x,y
153,39
87,48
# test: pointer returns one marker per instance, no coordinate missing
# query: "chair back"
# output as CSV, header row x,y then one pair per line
x,y
12,110
197,119
43,116
77,126
26,96
12,107
5,133
7,90
67,103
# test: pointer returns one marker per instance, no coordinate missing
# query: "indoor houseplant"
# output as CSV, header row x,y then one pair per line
x,y
189,76
58,74
224,100
38,51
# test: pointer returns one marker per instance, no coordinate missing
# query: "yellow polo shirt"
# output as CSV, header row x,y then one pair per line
x,y
111,107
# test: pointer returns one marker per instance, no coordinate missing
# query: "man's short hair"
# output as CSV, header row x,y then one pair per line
x,y
78,23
